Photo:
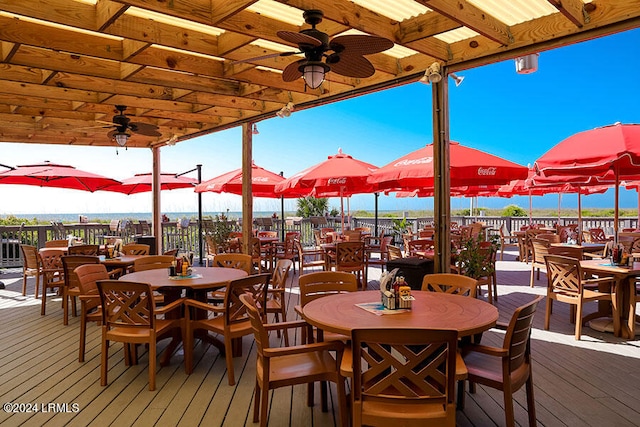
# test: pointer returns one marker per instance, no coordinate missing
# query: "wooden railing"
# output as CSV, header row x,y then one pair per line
x,y
186,239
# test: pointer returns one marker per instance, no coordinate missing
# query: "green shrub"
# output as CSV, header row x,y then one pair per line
x,y
513,210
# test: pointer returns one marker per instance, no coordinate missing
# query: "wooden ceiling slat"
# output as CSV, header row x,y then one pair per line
x,y
65,64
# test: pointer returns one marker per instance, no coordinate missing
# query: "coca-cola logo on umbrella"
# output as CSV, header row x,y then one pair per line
x,y
409,162
337,181
490,171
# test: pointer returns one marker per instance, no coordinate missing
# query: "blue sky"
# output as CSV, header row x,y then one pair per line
x,y
518,117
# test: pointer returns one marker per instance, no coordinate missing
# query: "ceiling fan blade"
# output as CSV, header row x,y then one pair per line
x,y
353,66
299,38
260,58
360,44
144,129
291,71
95,127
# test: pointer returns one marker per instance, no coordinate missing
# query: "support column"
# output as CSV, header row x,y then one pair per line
x,y
247,195
441,176
156,213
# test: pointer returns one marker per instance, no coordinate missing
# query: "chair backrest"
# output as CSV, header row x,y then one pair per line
x,y
518,336
58,243
504,231
317,237
135,249
126,304
88,275
540,248
114,226
350,254
573,252
397,369
254,286
93,250
171,252
234,260
145,228
30,257
550,237
394,252
260,334
151,262
266,233
564,274
385,242
280,273
420,245
426,233
322,283
51,260
69,264
352,235
450,283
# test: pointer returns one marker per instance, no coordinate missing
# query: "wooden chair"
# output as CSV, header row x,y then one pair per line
x,y
234,260
172,252
90,308
417,247
403,377
458,285
71,289
31,267
550,237
308,258
58,243
539,249
508,368
259,257
276,298
129,316
450,283
267,233
352,257
152,262
529,234
597,235
507,240
352,235
566,283
426,233
383,250
287,249
90,250
53,273
231,320
488,275
286,366
394,252
135,249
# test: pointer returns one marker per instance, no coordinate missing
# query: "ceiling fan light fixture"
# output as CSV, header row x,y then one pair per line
x,y
456,78
121,138
254,129
286,110
313,73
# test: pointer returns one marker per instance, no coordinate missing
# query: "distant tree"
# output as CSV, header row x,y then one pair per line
x,y
513,210
311,206
334,212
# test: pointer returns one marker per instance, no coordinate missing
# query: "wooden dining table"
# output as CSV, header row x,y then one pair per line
x,y
196,286
340,313
625,289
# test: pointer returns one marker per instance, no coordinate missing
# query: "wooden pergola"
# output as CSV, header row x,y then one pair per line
x,y
66,64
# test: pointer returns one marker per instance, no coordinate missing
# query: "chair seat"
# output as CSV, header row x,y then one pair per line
x,y
489,368
216,324
130,334
380,410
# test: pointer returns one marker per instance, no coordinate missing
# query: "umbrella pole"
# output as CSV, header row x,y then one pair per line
x,y
282,213
200,236
615,209
530,210
341,212
579,215
559,203
375,203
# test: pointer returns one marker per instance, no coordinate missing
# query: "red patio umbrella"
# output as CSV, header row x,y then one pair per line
x,y
54,175
468,167
340,175
263,183
141,182
594,155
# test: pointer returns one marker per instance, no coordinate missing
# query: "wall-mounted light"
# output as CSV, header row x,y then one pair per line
x,y
431,74
527,64
121,138
286,110
254,129
456,78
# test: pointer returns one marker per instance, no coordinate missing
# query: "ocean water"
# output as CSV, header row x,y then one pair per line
x,y
135,216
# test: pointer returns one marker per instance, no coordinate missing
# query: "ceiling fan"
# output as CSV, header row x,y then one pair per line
x,y
123,125
343,55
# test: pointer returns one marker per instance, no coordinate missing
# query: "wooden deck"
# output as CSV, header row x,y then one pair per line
x,y
592,382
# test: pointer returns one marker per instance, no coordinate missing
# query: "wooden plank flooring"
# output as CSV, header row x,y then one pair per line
x,y
592,382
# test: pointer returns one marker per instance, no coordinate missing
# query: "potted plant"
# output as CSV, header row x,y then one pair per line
x,y
472,259
220,232
399,228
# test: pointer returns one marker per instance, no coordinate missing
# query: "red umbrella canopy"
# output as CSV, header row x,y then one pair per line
x,y
263,183
594,152
141,182
468,166
53,175
339,175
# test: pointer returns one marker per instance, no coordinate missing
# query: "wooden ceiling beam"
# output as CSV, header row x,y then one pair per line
x,y
472,17
573,10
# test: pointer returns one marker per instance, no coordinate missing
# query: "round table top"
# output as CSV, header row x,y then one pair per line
x,y
430,310
210,277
